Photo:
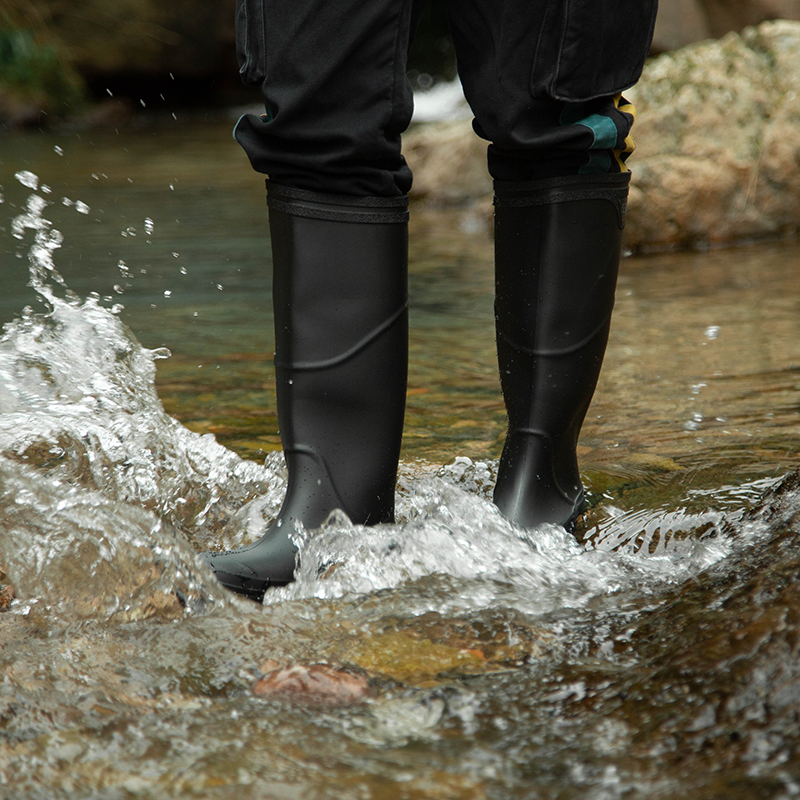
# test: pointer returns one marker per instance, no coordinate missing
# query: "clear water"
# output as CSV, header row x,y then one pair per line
x,y
449,655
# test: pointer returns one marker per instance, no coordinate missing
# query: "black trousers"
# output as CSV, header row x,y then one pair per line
x,y
543,78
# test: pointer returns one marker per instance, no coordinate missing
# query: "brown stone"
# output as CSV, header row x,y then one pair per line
x,y
6,592
316,683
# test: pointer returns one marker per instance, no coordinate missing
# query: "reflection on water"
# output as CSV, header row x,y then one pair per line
x,y
655,654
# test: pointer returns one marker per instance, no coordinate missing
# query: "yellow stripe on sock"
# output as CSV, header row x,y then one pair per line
x,y
630,144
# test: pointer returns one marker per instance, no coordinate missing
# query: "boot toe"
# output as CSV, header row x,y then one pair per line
x,y
237,576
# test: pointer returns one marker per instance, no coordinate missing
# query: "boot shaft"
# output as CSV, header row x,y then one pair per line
x,y
557,247
340,295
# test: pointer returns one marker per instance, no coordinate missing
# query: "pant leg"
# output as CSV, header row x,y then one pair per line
x,y
544,80
333,77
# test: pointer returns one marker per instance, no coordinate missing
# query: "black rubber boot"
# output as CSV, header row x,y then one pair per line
x,y
341,353
557,250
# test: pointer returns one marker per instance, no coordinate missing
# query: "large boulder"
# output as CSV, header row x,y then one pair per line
x,y
718,134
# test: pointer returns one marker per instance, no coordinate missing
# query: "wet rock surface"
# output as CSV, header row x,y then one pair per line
x,y
431,648
6,591
718,145
318,683
714,694
694,691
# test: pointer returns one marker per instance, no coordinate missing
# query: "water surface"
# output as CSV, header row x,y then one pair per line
x,y
449,655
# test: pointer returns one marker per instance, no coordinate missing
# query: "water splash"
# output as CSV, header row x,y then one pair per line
x,y
447,529
87,447
112,486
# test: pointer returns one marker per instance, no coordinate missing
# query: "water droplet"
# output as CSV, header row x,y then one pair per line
x,y
160,352
712,331
46,189
144,105
65,201
176,255
110,93
149,226
28,179
118,289
183,270
167,293
81,207
58,151
219,286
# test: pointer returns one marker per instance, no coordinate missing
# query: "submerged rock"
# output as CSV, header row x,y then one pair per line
x,y
316,683
430,648
6,592
718,145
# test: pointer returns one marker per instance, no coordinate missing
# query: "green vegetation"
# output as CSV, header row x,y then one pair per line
x,y
34,74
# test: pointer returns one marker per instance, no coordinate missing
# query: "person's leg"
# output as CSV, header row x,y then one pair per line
x,y
333,77
337,99
560,134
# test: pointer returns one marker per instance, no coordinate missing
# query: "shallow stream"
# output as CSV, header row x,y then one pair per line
x,y
655,654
